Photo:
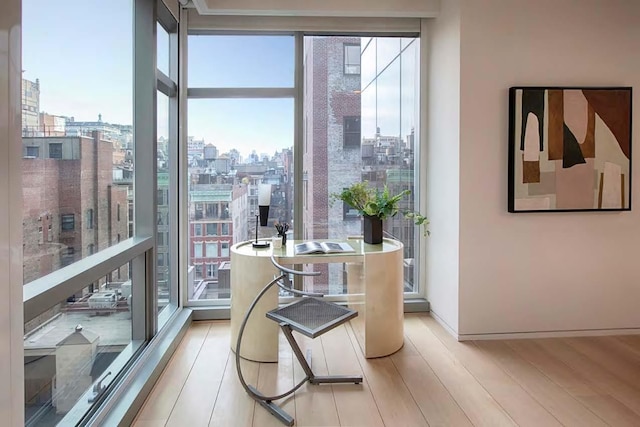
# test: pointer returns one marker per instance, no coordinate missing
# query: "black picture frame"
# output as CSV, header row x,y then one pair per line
x,y
567,143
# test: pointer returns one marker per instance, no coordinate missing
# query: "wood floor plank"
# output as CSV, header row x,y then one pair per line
x,y
276,378
195,403
560,403
577,384
611,355
604,379
632,342
165,392
149,423
475,401
510,395
436,403
433,380
315,404
234,407
394,400
355,404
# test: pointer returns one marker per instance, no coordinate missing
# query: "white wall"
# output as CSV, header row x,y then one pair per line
x,y
443,171
11,325
546,271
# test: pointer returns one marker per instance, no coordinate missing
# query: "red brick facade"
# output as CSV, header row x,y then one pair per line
x,y
79,184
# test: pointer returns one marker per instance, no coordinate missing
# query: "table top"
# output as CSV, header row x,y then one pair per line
x,y
361,249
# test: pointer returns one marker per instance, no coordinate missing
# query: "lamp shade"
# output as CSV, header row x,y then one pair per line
x,y
264,194
264,200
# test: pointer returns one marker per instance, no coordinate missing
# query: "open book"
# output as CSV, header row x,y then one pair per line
x,y
322,248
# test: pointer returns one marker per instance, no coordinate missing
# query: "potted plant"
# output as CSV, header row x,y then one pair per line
x,y
375,206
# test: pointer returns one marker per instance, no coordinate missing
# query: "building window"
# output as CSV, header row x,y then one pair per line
x,y
198,271
352,59
67,222
225,229
197,229
118,212
55,150
225,250
90,249
49,233
212,249
212,229
352,132
33,152
197,250
90,219
160,238
212,270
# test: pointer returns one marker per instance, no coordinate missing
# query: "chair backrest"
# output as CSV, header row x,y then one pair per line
x,y
283,284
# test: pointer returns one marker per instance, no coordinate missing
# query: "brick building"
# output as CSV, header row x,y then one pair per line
x,y
71,207
332,158
332,135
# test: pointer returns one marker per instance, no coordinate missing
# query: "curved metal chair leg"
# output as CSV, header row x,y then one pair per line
x,y
267,401
263,400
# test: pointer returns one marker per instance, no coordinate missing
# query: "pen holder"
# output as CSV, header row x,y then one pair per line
x,y
284,238
276,241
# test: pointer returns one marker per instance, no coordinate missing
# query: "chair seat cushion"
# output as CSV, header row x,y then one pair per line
x,y
312,316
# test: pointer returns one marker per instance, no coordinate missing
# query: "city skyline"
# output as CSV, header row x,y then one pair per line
x,y
85,89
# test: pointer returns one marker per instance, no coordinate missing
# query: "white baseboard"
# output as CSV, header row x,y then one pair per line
x,y
534,334
549,334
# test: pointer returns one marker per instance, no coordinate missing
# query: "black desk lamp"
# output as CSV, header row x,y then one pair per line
x,y
264,200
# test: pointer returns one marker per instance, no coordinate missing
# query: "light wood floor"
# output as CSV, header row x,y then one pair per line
x,y
434,380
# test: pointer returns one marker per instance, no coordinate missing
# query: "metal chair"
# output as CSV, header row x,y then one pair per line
x,y
309,316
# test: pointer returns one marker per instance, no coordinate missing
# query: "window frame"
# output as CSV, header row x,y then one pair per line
x,y
345,70
346,132
66,228
58,150
383,27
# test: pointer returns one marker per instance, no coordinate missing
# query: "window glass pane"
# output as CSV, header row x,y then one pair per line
x,y
240,61
368,60
236,144
212,250
352,58
163,49
164,211
381,116
77,132
225,249
84,341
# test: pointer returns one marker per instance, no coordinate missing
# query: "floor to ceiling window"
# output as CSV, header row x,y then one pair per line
x,y
240,121
358,97
167,160
86,292
360,119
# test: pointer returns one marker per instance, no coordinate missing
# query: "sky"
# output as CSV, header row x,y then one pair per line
x,y
81,51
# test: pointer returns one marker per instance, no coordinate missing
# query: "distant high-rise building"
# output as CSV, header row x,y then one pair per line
x,y
195,147
30,107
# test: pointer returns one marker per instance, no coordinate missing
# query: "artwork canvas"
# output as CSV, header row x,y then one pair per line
x,y
569,149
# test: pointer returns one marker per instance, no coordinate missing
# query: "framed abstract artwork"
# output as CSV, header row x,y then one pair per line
x,y
569,149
